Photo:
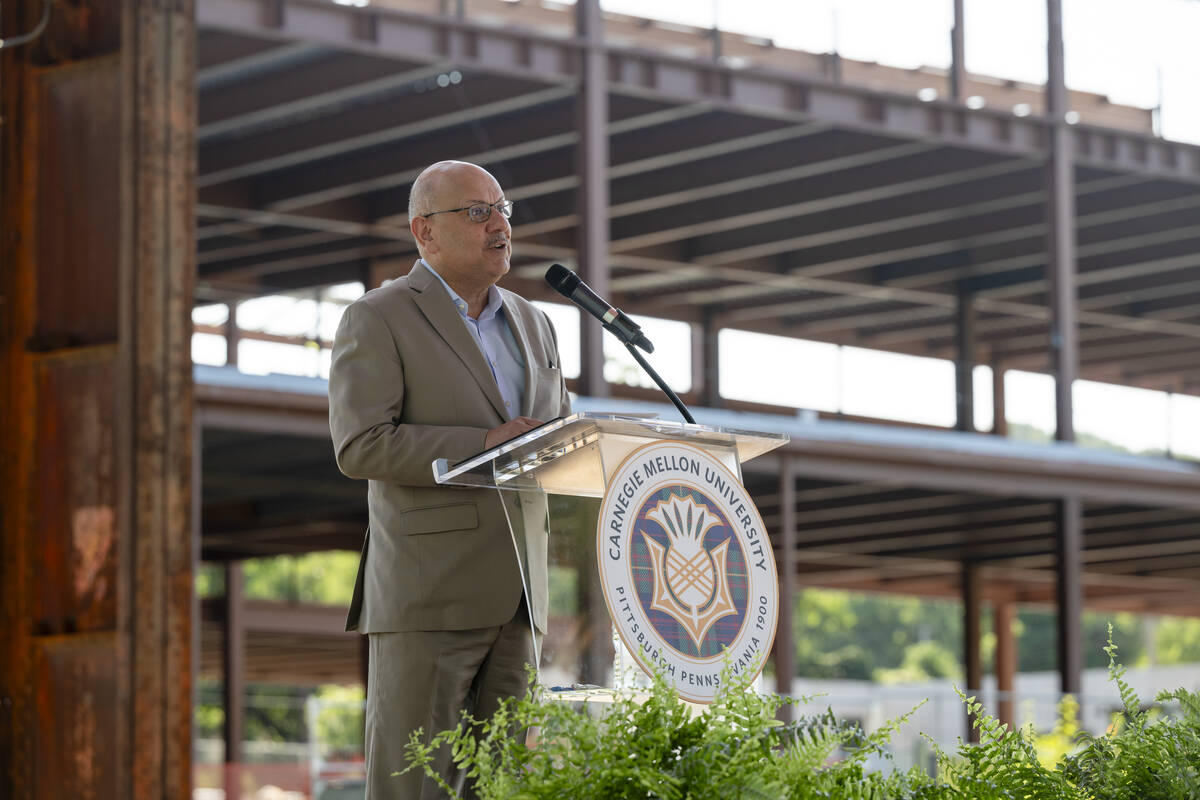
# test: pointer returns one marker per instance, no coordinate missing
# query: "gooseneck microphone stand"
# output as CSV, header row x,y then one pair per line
x,y
687,415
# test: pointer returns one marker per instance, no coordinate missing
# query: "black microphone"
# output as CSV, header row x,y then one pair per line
x,y
572,287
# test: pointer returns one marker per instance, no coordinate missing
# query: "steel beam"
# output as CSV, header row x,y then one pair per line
x,y
270,59
870,191
307,187
687,158
973,241
354,90
1103,243
985,213
655,267
765,91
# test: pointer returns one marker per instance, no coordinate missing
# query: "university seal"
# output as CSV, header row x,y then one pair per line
x,y
686,567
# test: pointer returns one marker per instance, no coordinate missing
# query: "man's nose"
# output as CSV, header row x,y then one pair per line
x,y
497,223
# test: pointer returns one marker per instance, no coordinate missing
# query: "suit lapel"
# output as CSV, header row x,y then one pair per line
x,y
438,309
522,336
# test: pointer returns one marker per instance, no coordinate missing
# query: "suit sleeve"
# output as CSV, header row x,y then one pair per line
x,y
366,402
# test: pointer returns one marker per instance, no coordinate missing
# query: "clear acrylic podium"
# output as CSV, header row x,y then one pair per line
x,y
564,466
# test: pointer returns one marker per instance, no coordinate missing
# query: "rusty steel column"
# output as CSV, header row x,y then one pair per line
x,y
592,196
958,63
1064,345
157,273
19,630
964,363
785,647
98,198
1003,616
972,600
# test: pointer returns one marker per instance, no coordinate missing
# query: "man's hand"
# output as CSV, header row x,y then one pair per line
x,y
509,430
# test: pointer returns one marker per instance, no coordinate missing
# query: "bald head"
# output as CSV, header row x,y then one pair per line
x,y
438,182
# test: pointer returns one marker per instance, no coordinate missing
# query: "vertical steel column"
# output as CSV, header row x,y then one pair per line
x,y
1064,343
1069,545
785,648
1060,206
233,335
710,377
999,413
964,363
234,676
972,599
1003,613
592,155
958,64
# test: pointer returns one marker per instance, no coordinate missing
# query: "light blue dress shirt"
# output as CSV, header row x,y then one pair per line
x,y
497,343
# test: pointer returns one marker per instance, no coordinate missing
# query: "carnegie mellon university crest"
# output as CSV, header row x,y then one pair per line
x,y
687,568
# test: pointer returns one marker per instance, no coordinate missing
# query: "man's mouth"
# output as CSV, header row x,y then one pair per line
x,y
500,245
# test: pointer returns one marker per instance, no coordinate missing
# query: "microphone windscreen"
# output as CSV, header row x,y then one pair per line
x,y
562,279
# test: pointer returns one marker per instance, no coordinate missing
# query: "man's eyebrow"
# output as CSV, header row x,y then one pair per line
x,y
488,202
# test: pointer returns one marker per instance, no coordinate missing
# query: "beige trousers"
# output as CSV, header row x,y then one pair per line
x,y
426,679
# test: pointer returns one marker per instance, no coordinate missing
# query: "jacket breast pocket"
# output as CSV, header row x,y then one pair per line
x,y
547,392
435,519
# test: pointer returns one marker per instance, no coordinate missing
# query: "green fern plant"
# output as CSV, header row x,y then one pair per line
x,y
657,746
1146,753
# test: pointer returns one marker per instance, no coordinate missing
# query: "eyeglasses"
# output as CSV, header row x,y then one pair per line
x,y
479,212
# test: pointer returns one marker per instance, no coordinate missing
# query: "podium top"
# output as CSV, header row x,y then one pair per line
x,y
576,454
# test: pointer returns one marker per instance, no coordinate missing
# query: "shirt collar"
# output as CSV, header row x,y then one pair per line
x,y
494,303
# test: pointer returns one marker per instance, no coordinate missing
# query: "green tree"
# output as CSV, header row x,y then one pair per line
x,y
324,577
1177,640
339,719
850,635
922,661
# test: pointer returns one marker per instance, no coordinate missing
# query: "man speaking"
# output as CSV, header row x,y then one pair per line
x,y
443,364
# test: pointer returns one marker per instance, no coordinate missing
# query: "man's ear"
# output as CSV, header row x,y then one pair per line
x,y
422,231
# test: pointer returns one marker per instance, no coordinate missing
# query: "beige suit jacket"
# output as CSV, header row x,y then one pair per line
x,y
407,385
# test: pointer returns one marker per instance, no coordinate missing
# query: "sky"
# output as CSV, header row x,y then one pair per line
x,y
1114,47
